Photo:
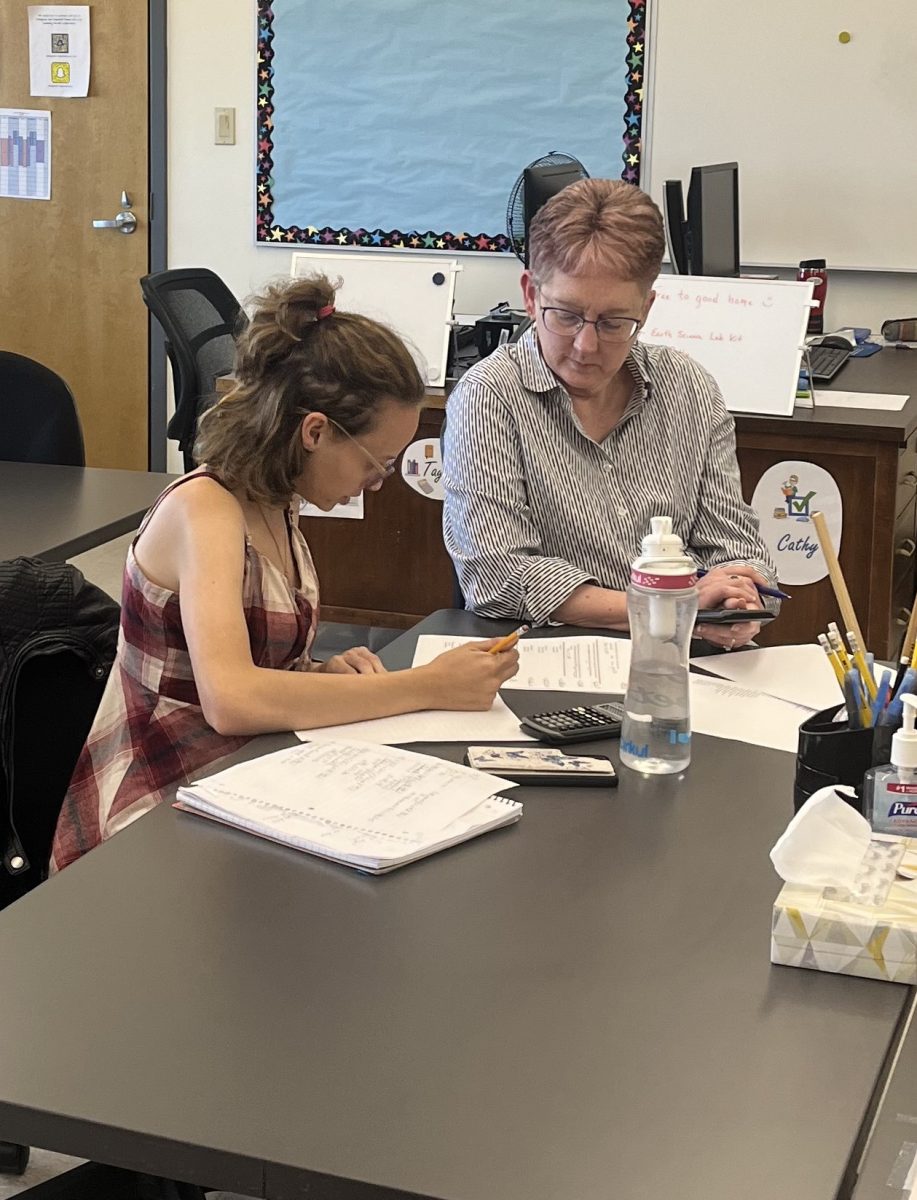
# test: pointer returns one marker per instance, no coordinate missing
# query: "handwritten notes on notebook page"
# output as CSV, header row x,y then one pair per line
x,y
370,807
590,663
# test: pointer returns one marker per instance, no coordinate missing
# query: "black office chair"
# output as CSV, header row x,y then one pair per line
x,y
38,417
200,316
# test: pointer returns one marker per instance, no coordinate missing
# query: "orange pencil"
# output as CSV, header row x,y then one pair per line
x,y
507,643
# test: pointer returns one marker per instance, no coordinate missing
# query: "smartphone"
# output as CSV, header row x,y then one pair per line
x,y
581,724
523,764
733,616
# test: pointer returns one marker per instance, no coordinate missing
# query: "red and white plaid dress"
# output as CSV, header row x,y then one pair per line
x,y
150,732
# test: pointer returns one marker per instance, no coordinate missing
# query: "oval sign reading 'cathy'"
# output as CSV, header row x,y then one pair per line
x,y
785,498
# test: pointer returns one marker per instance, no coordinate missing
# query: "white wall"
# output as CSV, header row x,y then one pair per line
x,y
211,188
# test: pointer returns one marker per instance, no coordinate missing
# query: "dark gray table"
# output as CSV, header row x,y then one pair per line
x,y
579,1007
57,512
892,1154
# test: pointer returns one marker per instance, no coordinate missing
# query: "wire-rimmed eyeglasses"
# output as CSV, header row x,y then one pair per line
x,y
381,472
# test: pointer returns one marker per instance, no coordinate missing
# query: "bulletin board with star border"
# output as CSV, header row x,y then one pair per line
x,y
407,127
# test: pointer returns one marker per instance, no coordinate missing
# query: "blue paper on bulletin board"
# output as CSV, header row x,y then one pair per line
x,y
414,119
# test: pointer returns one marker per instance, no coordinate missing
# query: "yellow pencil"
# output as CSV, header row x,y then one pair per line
x,y
507,643
862,665
832,659
837,645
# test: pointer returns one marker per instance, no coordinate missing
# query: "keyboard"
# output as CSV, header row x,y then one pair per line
x,y
826,362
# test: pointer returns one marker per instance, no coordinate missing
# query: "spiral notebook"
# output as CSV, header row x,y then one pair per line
x,y
371,807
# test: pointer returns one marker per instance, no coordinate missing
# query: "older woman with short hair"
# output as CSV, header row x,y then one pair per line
x,y
562,446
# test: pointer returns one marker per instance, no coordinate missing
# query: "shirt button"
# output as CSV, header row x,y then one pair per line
x,y
622,512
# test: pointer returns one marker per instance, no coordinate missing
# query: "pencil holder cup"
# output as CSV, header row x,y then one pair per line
x,y
830,753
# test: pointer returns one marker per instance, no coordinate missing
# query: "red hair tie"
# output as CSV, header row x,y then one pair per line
x,y
324,312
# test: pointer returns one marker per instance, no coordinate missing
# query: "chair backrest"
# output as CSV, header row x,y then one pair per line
x,y
38,417
58,636
458,597
200,316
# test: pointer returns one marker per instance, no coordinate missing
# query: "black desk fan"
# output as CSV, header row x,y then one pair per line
x,y
537,183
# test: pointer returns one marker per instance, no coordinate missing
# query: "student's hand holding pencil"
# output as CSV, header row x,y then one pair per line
x,y
468,678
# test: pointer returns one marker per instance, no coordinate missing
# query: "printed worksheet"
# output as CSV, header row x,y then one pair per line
x,y
591,663
744,714
799,674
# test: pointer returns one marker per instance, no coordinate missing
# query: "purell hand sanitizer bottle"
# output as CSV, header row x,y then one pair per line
x,y
661,607
890,792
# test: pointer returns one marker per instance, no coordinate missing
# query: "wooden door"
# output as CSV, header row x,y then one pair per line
x,y
69,294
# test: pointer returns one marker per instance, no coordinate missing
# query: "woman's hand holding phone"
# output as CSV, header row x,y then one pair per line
x,y
731,588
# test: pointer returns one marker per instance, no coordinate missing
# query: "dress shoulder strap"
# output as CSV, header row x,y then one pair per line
x,y
171,488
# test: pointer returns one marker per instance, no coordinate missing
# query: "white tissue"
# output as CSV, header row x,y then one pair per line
x,y
825,843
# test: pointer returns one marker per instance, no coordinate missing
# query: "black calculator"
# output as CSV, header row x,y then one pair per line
x,y
581,724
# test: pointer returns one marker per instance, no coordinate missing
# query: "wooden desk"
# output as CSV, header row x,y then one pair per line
x,y
873,458
392,568
578,1006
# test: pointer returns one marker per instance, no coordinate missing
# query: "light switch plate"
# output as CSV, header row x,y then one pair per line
x,y
224,126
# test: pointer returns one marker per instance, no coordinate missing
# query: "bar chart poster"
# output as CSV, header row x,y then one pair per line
x,y
25,153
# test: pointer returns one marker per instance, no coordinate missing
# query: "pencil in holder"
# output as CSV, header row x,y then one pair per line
x,y
831,753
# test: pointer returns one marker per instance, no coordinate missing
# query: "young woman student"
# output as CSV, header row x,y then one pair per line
x,y
220,598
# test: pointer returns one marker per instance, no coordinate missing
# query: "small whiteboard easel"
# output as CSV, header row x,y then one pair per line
x,y
748,333
413,296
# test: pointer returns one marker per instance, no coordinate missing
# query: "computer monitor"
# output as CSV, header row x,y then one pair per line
x,y
539,185
713,220
674,213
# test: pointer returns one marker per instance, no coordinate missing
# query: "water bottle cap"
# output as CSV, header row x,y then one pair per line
x,y
663,563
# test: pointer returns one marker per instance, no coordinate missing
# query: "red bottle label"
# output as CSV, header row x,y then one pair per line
x,y
662,583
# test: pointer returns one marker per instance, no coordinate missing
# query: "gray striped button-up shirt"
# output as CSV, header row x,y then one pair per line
x,y
535,508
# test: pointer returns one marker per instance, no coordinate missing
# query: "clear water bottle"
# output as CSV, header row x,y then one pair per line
x,y
661,607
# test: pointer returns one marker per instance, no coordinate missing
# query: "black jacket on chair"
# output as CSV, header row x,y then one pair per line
x,y
58,637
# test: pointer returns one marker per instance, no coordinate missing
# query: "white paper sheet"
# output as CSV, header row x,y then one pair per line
x,y
499,724
876,401
59,49
564,664
799,674
723,709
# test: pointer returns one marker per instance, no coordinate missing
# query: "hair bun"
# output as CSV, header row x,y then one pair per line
x,y
302,303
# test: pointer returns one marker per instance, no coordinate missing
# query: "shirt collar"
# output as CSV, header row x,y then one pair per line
x,y
534,372
538,377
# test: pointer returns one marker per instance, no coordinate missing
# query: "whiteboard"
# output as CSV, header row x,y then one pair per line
x,y
822,132
399,292
748,333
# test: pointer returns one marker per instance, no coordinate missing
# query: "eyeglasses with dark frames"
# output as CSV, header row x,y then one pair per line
x,y
565,323
381,472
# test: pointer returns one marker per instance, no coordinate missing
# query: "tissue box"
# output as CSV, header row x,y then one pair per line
x,y
811,928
